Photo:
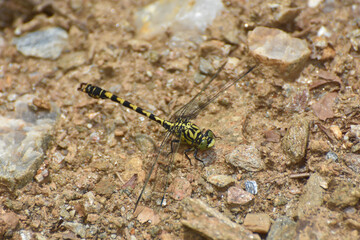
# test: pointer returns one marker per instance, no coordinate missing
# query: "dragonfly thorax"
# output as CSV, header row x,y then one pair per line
x,y
191,134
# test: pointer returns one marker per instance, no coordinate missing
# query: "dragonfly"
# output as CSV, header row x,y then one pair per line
x,y
179,128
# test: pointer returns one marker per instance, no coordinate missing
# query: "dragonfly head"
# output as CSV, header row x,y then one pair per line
x,y
207,141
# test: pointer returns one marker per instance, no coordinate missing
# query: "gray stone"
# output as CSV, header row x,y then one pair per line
x,y
47,43
247,157
23,142
313,195
283,229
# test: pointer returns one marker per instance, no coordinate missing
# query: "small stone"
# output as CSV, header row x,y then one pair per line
x,y
48,43
35,224
214,47
8,221
205,66
177,64
336,131
180,188
345,195
139,45
198,77
353,162
331,155
355,148
314,3
320,146
119,133
286,15
257,222
251,187
354,132
283,228
77,228
247,157
312,198
238,196
42,104
323,108
148,215
92,218
72,60
210,223
64,214
105,187
221,180
145,143
280,201
153,56
275,47
183,19
295,140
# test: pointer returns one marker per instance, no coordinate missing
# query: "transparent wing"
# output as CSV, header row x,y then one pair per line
x,y
204,97
162,164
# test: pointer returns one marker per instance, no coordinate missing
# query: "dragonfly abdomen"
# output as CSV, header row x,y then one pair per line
x,y
97,92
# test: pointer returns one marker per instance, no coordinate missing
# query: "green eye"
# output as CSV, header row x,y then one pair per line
x,y
203,144
210,134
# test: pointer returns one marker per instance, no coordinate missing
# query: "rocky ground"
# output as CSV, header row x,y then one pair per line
x,y
286,162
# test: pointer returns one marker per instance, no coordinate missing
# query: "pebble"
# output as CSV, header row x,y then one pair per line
x,y
336,131
191,18
145,143
313,195
257,222
319,146
282,228
105,187
238,196
314,3
280,201
139,45
214,47
355,39
72,60
77,228
331,155
354,132
251,187
148,215
23,142
180,188
198,77
353,162
92,218
247,157
210,223
295,141
205,66
221,180
346,194
48,43
276,47
8,222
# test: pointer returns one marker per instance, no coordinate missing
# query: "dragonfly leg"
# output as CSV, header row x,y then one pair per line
x,y
172,146
187,156
195,155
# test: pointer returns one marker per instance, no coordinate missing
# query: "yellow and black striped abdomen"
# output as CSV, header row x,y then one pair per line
x,y
97,92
